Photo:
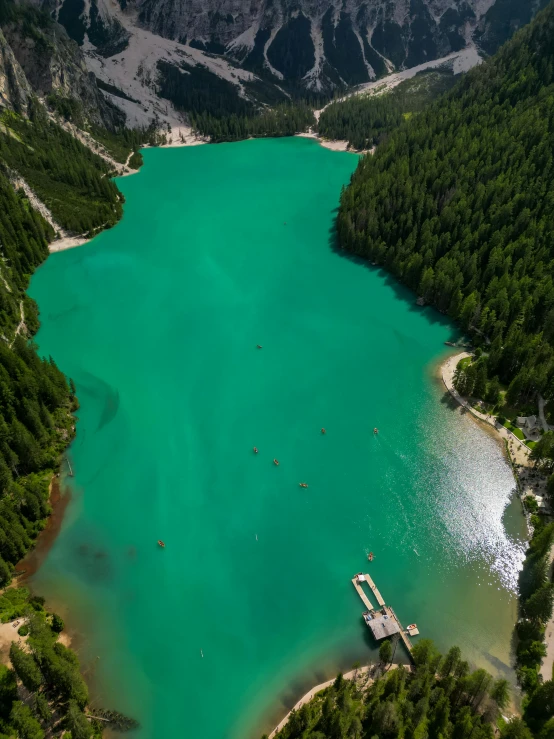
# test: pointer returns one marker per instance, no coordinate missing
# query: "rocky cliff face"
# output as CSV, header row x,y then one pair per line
x,y
321,43
314,44
14,87
233,55
38,57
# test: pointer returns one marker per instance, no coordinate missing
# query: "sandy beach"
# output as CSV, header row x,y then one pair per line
x,y
519,452
361,674
69,242
8,634
334,145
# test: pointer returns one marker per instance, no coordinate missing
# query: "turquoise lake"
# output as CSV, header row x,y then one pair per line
x,y
222,248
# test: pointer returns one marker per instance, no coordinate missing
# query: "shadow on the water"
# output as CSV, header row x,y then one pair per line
x,y
298,688
430,314
451,404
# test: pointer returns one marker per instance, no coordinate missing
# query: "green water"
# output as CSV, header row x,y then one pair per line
x,y
157,321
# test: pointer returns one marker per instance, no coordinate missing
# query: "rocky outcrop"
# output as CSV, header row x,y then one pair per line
x,y
317,44
14,87
503,19
267,50
37,56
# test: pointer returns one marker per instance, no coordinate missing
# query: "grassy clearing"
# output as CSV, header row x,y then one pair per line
x,y
515,430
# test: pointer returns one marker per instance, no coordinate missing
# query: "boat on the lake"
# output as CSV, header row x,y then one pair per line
x,y
161,544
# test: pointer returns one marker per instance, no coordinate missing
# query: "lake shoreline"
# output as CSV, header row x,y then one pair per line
x,y
354,674
34,558
516,452
447,369
106,567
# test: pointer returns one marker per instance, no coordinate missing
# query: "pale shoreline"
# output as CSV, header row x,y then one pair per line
x,y
332,144
520,455
307,697
181,137
518,451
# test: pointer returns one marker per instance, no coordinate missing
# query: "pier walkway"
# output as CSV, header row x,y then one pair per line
x,y
357,580
361,593
403,634
388,610
376,593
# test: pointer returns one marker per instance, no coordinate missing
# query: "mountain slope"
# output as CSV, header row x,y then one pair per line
x,y
314,45
39,57
459,205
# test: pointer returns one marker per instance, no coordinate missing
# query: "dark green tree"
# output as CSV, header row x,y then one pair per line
x,y
77,723
385,651
25,668
26,725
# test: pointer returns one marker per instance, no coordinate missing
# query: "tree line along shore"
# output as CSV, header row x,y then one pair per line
x,y
42,691
456,203
438,696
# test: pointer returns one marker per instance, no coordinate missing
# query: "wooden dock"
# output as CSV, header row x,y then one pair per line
x,y
376,593
403,634
361,593
387,609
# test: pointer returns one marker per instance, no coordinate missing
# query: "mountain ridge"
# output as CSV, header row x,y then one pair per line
x,y
273,49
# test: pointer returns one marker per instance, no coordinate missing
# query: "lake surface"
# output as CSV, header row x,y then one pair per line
x,y
222,248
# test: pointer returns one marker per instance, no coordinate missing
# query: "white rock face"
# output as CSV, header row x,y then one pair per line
x,y
158,60
224,20
315,44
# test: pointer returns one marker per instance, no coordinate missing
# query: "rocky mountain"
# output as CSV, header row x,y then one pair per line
x,y
37,57
316,45
158,60
14,87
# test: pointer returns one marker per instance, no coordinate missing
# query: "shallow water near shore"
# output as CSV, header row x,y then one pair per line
x,y
222,248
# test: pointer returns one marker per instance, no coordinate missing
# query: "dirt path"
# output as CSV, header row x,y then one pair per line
x,y
547,666
541,402
21,325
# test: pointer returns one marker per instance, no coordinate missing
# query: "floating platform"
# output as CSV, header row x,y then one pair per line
x,y
382,621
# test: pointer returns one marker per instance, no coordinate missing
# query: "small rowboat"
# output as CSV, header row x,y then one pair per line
x,y
411,627
255,450
276,461
303,484
161,544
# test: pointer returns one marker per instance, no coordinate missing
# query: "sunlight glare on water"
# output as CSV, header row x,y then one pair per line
x,y
222,248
